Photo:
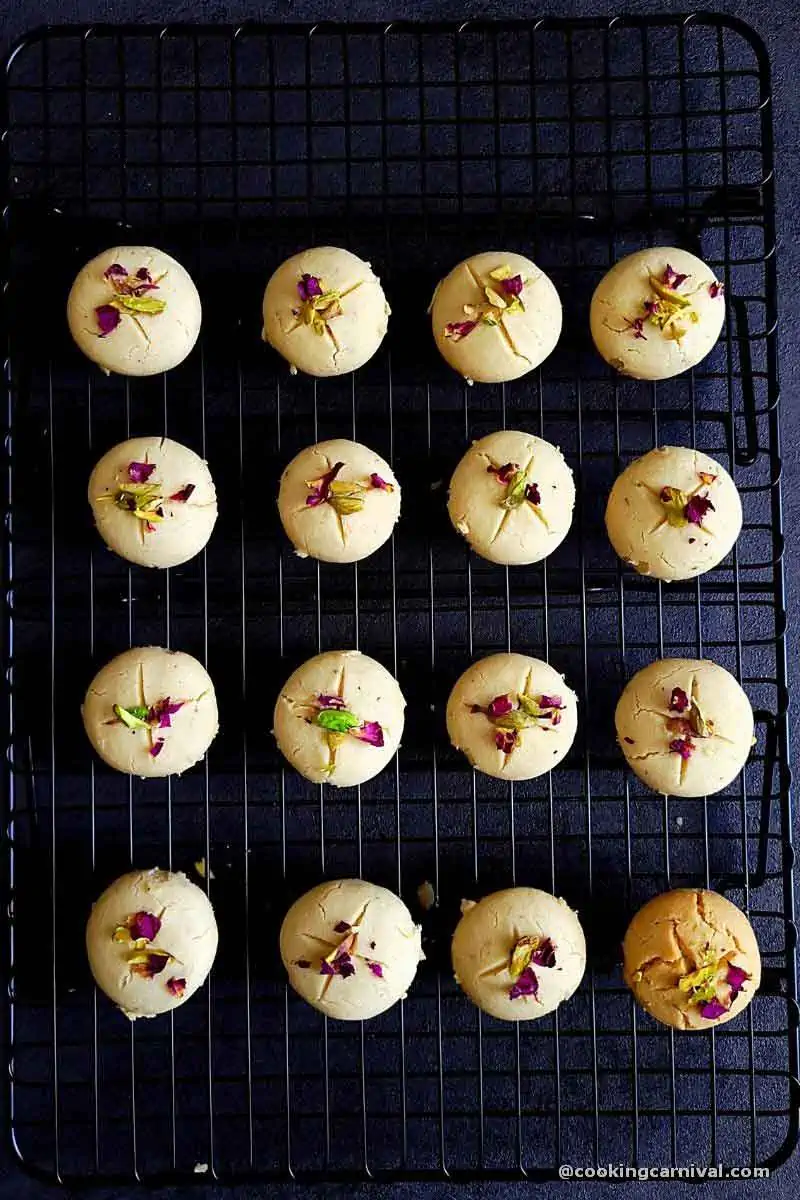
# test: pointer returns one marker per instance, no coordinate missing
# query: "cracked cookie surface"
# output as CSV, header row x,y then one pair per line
x,y
649,727
365,688
627,338
484,943
369,925
643,529
540,746
350,330
186,937
140,344
480,511
321,530
516,341
682,932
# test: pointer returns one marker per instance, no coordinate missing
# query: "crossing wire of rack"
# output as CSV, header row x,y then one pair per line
x,y
574,143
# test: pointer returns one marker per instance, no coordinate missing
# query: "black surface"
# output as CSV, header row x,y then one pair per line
x,y
790,497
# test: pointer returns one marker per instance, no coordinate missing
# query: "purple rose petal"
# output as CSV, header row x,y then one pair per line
x,y
505,473
672,279
505,740
716,289
326,968
682,746
457,330
736,978
678,701
321,487
550,702
712,1010
308,287
157,747
144,925
108,318
500,706
176,987
376,968
637,325
526,985
341,927
139,472
532,494
370,732
377,482
696,509
330,701
545,954
513,285
115,271
183,495
302,962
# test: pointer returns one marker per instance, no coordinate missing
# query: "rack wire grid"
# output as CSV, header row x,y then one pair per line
x,y
575,143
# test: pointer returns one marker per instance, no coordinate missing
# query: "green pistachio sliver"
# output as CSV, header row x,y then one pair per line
x,y
516,719
139,304
336,720
529,706
134,718
345,506
494,298
667,294
515,493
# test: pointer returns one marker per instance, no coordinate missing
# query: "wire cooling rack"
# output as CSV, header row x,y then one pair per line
x,y
571,142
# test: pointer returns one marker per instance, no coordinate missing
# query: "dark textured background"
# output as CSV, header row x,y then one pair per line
x,y
779,26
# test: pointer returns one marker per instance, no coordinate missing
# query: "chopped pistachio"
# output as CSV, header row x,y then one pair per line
x,y
499,273
134,718
515,492
494,298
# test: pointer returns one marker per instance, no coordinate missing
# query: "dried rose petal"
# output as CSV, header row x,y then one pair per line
x,y
505,473
736,978
320,488
115,270
326,968
377,482
108,318
376,968
330,701
682,746
651,307
532,494
678,701
545,954
550,702
370,732
341,927
139,472
159,714
144,274
637,325
505,740
672,279
500,706
526,985
630,741
157,747
716,289
149,962
513,285
697,508
183,495
144,925
176,987
712,1010
308,287
302,962
457,330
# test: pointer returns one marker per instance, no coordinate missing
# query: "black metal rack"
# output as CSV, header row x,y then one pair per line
x,y
574,142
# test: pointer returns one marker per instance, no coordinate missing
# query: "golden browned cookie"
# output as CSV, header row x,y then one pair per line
x,y
691,959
